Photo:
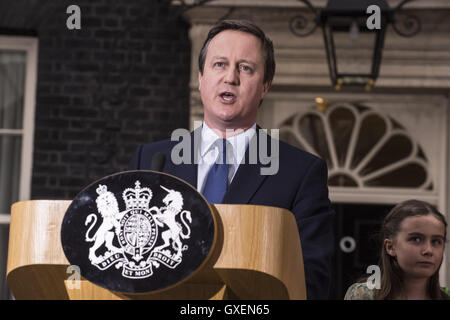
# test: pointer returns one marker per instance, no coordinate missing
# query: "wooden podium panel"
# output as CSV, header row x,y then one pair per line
x,y
36,261
258,256
261,256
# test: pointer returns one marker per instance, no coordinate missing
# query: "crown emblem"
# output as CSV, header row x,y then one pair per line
x,y
101,189
137,198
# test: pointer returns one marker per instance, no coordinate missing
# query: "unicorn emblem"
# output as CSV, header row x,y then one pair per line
x,y
165,216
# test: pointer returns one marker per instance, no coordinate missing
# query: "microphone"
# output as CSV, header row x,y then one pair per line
x,y
158,161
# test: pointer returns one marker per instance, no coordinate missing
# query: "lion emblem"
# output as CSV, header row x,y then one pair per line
x,y
109,210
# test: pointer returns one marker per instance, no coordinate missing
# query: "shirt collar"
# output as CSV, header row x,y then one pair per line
x,y
239,142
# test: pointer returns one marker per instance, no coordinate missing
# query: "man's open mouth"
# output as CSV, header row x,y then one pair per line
x,y
227,97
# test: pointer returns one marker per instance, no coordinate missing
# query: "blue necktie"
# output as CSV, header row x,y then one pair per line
x,y
217,179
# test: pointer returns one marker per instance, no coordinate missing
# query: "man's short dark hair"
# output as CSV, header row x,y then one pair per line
x,y
248,27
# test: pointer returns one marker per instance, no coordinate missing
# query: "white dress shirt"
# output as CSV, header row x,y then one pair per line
x,y
209,152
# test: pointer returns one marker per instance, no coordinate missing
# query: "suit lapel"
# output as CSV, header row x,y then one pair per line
x,y
246,181
187,171
248,178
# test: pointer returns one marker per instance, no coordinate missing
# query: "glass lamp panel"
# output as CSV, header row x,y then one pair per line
x,y
353,45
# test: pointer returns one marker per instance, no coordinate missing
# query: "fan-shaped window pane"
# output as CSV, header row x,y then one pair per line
x,y
421,154
311,128
373,127
290,138
409,176
396,148
342,121
342,180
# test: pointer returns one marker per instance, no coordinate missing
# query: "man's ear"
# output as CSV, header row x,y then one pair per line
x,y
199,80
389,246
266,87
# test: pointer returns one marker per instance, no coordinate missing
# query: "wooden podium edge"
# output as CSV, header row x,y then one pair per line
x,y
236,267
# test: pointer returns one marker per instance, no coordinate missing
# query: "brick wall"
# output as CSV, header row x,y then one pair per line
x,y
119,81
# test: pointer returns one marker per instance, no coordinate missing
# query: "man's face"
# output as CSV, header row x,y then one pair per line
x,y
232,85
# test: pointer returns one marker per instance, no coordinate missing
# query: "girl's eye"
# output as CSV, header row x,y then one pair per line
x,y
416,239
437,242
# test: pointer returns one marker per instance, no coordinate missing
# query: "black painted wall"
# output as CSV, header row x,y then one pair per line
x,y
119,81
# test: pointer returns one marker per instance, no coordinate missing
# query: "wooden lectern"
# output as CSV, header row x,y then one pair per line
x,y
257,256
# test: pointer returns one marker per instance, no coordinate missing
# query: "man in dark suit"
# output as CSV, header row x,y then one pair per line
x,y
236,68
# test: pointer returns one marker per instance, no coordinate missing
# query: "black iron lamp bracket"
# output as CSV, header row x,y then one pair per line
x,y
404,25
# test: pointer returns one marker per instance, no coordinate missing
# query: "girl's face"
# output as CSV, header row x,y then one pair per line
x,y
418,246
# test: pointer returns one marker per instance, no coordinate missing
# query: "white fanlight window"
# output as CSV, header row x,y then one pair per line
x,y
18,63
385,151
363,148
